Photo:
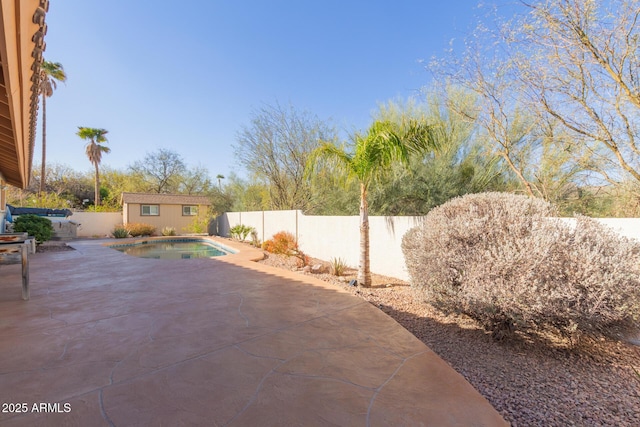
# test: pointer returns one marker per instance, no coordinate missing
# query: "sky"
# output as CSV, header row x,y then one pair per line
x,y
187,75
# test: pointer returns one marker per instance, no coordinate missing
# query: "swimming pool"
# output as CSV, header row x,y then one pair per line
x,y
183,248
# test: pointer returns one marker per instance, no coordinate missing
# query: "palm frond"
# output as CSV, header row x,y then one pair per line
x,y
54,70
93,134
330,153
94,137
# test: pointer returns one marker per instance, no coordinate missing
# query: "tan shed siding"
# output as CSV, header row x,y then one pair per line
x,y
170,216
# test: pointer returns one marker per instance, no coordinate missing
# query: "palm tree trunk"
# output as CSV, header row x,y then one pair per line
x,y
97,197
364,274
44,144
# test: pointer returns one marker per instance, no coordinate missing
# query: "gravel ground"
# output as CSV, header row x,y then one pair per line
x,y
541,382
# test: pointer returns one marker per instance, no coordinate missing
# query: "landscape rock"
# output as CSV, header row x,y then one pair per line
x,y
318,269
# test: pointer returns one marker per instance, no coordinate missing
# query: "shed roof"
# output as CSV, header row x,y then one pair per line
x,y
165,199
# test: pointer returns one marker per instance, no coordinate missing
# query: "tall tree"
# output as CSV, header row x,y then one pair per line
x,y
195,180
50,74
562,80
579,61
531,143
247,195
94,138
369,159
162,171
274,149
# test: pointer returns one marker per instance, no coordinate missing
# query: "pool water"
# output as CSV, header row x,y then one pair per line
x,y
171,249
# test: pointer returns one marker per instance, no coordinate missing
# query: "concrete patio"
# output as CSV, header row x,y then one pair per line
x,y
127,341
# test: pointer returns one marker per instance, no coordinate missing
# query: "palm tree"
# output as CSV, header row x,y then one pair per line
x,y
220,177
94,150
50,74
372,156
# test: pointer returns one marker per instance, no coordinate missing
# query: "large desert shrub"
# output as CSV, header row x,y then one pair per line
x,y
36,226
505,261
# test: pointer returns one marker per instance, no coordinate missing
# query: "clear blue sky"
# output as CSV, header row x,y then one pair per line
x,y
186,75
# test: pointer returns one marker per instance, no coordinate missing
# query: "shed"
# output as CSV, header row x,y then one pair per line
x,y
164,210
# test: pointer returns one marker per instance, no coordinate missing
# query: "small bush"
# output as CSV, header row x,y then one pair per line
x,y
139,229
120,232
503,260
241,231
285,243
168,231
338,266
199,225
254,239
34,225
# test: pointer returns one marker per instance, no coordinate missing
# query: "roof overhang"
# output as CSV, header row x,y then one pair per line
x,y
22,31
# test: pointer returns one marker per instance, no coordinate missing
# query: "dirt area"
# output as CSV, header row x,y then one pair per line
x,y
538,381
53,246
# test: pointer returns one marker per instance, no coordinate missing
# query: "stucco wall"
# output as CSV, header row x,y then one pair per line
x,y
327,237
96,224
628,227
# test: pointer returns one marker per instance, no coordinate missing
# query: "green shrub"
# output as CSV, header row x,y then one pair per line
x,y
199,225
240,231
168,231
285,243
140,229
120,232
503,260
34,225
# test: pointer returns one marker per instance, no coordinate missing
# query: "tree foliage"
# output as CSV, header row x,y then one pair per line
x,y
579,61
195,180
161,171
558,93
461,164
274,149
247,195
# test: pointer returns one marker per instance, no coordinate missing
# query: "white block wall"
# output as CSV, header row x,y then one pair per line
x,y
327,237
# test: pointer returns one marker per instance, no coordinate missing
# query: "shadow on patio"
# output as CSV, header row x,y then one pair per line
x,y
130,341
